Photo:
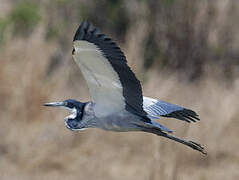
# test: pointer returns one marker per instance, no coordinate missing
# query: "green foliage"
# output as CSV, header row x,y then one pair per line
x,y
24,17
21,20
3,26
167,2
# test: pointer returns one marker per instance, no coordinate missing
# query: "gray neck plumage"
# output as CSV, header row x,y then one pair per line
x,y
88,114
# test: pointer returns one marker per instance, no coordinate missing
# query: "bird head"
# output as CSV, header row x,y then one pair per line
x,y
73,121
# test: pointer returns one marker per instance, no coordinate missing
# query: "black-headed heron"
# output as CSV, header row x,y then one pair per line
x,y
117,101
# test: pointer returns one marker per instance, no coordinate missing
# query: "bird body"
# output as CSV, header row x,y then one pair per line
x,y
120,121
117,101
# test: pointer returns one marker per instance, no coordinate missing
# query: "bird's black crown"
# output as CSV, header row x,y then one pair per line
x,y
71,103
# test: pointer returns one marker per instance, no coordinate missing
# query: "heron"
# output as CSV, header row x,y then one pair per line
x,y
117,100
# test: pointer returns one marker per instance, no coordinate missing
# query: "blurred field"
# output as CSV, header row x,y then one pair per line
x,y
37,67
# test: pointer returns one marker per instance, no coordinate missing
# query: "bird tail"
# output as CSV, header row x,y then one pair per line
x,y
190,144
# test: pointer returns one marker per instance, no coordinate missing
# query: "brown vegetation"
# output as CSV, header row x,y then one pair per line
x,y
196,67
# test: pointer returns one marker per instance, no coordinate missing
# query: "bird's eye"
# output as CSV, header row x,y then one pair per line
x,y
70,105
73,51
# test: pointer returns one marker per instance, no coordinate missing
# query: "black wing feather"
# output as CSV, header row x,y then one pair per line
x,y
184,114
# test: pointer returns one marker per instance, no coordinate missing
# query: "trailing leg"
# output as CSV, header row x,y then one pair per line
x,y
190,144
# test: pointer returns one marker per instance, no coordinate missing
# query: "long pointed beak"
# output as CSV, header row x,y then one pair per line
x,y
55,104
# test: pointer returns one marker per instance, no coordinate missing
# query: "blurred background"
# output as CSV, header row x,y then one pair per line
x,y
184,52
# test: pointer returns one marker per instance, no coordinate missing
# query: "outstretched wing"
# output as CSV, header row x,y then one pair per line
x,y
156,108
112,85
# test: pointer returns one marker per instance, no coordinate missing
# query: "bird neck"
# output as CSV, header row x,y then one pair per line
x,y
88,117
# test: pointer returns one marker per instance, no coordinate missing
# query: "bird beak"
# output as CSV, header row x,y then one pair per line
x,y
55,104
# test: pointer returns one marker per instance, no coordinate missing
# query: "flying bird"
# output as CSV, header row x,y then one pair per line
x,y
117,101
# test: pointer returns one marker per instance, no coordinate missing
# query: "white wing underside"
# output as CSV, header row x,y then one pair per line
x,y
103,82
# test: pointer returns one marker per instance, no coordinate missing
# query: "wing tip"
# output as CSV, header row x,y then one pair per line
x,y
80,31
84,29
186,115
87,29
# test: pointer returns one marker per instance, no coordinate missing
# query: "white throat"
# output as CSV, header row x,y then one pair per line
x,y
73,113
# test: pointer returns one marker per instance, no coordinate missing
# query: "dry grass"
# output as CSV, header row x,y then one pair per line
x,y
36,145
